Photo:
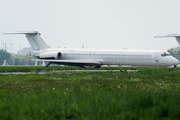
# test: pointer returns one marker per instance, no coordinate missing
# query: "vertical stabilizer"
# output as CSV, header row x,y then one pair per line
x,y
177,36
34,39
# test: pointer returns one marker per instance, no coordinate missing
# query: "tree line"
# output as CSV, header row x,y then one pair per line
x,y
175,52
16,59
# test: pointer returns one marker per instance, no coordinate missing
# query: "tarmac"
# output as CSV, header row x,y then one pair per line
x,y
63,71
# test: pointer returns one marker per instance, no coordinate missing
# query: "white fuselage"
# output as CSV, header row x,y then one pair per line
x,y
115,57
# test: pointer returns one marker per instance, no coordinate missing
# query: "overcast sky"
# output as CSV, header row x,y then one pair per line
x,y
100,24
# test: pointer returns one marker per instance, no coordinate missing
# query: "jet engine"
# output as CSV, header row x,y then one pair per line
x,y
50,55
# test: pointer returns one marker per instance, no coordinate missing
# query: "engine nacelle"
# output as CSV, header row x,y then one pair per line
x,y
50,55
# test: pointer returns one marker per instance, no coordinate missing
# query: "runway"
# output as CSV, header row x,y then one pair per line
x,y
64,71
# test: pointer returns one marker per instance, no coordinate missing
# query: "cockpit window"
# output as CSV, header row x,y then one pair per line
x,y
165,54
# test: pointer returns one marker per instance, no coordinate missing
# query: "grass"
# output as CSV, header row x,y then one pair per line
x,y
152,93
16,68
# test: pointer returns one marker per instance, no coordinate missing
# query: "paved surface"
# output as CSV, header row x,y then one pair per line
x,y
64,71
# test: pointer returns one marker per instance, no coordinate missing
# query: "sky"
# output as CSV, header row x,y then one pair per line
x,y
99,24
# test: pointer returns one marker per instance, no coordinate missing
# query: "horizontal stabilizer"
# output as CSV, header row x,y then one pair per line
x,y
23,32
177,36
169,35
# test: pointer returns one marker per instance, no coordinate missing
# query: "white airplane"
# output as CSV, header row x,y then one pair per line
x,y
85,57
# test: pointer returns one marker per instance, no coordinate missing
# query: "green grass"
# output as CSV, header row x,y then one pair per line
x,y
152,93
16,68
3,69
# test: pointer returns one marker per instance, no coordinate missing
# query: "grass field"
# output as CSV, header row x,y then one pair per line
x,y
15,68
151,93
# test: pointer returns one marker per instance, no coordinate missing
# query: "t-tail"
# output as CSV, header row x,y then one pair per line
x,y
34,39
177,36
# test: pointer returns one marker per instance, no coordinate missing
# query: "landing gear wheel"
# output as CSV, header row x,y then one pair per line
x,y
81,66
98,66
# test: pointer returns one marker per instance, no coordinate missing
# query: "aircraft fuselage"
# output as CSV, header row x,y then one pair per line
x,y
112,57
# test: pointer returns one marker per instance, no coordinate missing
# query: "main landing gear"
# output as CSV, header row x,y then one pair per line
x,y
97,66
81,66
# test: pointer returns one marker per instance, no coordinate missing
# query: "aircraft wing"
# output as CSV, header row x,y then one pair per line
x,y
71,62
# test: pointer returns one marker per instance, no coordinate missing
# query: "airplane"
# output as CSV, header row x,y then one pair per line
x,y
94,57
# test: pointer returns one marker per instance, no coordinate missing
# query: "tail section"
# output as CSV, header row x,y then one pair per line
x,y
34,39
177,36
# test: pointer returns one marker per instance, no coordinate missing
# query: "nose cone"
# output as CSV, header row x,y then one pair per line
x,y
175,61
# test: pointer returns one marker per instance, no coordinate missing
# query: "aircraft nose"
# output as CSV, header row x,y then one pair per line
x,y
176,61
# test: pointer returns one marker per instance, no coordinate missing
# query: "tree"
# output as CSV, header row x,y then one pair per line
x,y
4,55
175,52
16,61
23,59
